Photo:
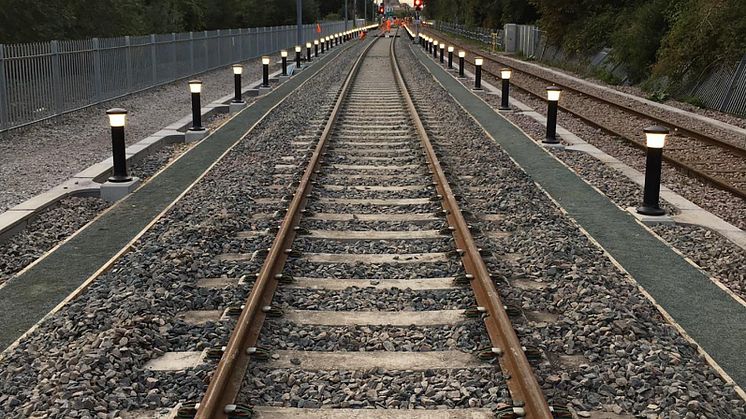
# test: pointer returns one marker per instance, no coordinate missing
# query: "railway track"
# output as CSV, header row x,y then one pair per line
x,y
719,162
373,217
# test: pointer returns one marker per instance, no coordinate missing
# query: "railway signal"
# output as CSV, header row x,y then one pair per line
x,y
417,5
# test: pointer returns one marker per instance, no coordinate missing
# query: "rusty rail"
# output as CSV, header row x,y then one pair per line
x,y
524,388
226,381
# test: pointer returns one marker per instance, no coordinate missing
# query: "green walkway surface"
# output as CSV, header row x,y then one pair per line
x,y
709,315
27,298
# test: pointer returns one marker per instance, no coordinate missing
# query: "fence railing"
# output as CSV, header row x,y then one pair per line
x,y
723,89
43,80
490,37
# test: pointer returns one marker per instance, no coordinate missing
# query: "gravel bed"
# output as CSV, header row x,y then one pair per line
x,y
470,335
316,206
633,360
372,299
301,267
88,359
428,389
57,223
35,150
369,194
371,225
721,259
307,244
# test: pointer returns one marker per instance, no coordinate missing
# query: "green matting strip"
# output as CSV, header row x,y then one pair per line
x,y
27,298
708,314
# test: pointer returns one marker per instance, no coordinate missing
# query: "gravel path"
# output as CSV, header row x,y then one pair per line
x,y
605,346
48,151
88,359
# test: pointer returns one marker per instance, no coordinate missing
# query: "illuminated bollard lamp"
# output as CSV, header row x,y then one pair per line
x,y
461,55
328,43
478,61
297,57
442,52
450,57
196,131
237,103
655,140
435,50
316,48
323,49
119,183
308,52
284,57
505,74
265,72
553,96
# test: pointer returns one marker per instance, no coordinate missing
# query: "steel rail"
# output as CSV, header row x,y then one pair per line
x,y
229,375
680,164
524,387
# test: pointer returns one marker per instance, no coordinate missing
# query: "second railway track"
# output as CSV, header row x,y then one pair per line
x,y
718,161
373,243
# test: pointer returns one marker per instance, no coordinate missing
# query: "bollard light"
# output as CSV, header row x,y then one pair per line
x,y
297,56
328,43
553,96
655,140
265,71
435,49
316,48
308,51
450,57
461,55
237,71
195,87
117,121
505,74
442,51
284,56
478,61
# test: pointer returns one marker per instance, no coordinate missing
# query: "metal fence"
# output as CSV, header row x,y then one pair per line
x,y
492,37
723,89
42,80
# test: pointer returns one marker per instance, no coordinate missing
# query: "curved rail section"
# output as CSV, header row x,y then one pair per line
x,y
706,175
226,381
522,383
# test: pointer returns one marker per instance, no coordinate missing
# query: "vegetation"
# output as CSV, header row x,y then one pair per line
x,y
31,21
676,40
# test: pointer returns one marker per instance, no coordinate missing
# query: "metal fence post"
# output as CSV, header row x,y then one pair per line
x,y
729,93
174,64
97,70
154,58
220,46
128,61
191,52
54,48
3,92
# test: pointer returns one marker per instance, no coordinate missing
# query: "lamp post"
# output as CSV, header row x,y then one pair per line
x,y
237,71
442,51
284,56
308,51
297,57
265,71
450,57
316,48
505,74
195,87
553,96
478,61
655,139
461,55
117,120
